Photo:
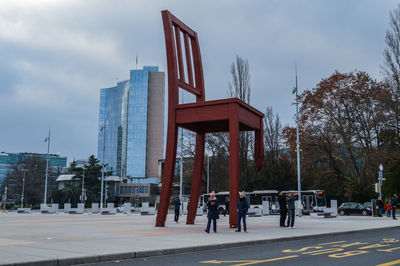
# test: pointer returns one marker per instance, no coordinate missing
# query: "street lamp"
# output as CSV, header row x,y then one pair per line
x,y
23,187
47,167
83,182
295,91
380,179
103,128
208,173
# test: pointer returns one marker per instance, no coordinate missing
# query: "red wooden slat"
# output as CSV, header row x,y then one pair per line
x,y
179,51
198,68
188,59
189,88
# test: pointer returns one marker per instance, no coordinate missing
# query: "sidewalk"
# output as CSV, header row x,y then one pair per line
x,y
64,239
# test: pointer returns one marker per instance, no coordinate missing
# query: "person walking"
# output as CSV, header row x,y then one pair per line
x,y
226,207
393,202
388,208
212,214
380,206
177,207
242,208
282,208
291,198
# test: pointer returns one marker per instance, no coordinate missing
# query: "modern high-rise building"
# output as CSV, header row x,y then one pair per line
x,y
130,138
8,160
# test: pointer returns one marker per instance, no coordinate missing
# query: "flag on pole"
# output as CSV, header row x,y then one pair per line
x,y
294,90
46,139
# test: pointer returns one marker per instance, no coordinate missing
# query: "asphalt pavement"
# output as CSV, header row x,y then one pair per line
x,y
380,247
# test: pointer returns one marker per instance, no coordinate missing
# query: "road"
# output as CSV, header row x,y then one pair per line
x,y
362,248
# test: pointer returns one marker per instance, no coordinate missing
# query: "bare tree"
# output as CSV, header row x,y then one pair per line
x,y
272,133
391,67
240,88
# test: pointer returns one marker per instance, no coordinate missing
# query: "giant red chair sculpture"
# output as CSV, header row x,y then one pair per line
x,y
229,115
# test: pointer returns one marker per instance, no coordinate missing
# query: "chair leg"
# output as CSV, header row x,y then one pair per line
x,y
259,149
168,179
233,169
197,177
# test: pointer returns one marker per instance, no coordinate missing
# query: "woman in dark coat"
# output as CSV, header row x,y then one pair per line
x,y
212,214
282,208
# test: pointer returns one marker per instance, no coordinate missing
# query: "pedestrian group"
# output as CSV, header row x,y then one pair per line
x,y
286,206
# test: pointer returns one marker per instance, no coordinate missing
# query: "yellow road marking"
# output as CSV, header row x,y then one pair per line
x,y
223,261
390,240
374,246
322,251
351,244
248,262
388,250
348,254
330,243
302,249
395,262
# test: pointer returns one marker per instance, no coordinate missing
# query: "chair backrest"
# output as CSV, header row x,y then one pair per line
x,y
187,76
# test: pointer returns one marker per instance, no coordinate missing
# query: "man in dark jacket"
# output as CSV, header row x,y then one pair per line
x,y
242,208
212,214
282,208
393,202
177,207
291,209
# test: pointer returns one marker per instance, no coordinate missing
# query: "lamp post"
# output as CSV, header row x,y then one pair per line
x,y
380,179
5,199
83,183
295,91
47,168
102,164
181,168
23,188
208,174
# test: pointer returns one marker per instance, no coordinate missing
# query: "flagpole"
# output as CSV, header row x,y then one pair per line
x,y
47,168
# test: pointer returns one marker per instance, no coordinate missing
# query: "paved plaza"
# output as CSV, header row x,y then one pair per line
x,y
64,239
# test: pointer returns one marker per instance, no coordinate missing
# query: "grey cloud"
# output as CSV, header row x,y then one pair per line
x,y
56,55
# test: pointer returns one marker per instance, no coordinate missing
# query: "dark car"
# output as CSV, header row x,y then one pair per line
x,y
348,208
368,204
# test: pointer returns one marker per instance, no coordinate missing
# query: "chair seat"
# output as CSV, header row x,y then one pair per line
x,y
214,116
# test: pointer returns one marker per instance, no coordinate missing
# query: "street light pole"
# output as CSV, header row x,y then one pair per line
x,y
298,142
102,165
83,184
380,179
208,174
181,169
47,168
23,189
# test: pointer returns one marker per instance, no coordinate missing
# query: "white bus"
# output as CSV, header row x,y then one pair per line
x,y
257,197
221,197
312,200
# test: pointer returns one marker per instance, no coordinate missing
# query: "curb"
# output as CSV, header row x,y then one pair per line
x,y
161,252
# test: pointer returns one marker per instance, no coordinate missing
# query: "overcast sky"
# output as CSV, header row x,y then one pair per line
x,y
55,56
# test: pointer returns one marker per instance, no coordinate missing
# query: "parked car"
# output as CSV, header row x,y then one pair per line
x,y
348,208
368,204
121,208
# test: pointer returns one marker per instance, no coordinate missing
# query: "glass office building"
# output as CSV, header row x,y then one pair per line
x,y
130,139
8,160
